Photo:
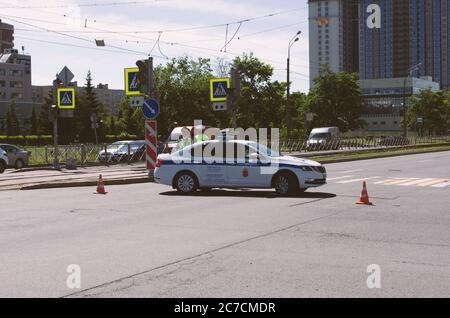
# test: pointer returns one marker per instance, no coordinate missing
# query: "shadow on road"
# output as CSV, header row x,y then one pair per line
x,y
250,194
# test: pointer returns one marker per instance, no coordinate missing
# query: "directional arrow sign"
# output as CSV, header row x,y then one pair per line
x,y
151,109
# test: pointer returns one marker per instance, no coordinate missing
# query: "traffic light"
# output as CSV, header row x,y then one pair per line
x,y
143,81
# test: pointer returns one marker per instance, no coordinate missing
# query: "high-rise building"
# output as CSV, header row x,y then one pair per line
x,y
333,34
410,32
6,36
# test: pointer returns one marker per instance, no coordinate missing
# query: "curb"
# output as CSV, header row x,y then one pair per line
x,y
380,156
57,185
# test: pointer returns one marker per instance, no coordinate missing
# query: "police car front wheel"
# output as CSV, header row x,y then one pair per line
x,y
285,184
186,182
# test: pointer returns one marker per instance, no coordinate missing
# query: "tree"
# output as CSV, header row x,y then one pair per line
x,y
87,104
182,87
131,119
34,122
261,102
336,101
3,126
44,125
433,107
12,122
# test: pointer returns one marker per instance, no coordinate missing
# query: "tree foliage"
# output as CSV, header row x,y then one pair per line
x,y
336,101
433,107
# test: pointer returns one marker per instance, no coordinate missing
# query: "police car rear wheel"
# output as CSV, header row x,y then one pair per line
x,y
186,183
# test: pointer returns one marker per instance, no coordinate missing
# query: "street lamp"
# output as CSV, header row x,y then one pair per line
x,y
288,112
410,73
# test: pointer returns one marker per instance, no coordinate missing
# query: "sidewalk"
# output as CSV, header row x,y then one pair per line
x,y
48,178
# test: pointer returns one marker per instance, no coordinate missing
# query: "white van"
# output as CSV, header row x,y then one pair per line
x,y
327,138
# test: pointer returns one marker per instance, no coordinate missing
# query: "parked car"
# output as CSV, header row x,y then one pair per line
x,y
17,157
3,161
123,151
327,138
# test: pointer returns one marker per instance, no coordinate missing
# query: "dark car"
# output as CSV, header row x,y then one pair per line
x,y
17,157
123,151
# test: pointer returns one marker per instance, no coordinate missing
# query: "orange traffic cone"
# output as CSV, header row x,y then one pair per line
x,y
364,199
100,186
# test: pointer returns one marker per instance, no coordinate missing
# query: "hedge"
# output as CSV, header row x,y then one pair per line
x,y
32,140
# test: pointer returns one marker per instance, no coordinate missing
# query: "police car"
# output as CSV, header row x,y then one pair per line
x,y
236,164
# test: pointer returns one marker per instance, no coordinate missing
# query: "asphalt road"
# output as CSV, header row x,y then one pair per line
x,y
147,241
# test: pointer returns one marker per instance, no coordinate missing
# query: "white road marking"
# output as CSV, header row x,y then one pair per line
x,y
351,171
357,180
416,182
430,183
401,181
442,185
338,178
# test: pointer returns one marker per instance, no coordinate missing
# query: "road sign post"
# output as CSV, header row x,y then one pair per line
x,y
151,139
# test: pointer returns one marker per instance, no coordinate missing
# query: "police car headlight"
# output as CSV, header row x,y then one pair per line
x,y
305,168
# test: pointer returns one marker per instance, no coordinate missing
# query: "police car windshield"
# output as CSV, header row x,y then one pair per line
x,y
264,150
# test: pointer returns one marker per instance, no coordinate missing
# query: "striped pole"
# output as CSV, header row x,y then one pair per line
x,y
151,143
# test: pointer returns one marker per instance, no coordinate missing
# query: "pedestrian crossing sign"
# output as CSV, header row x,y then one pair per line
x,y
131,81
66,98
219,89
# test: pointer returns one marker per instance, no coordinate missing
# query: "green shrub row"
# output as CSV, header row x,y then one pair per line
x,y
32,140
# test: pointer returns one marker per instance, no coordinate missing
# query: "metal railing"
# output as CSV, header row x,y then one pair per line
x,y
85,154
302,145
88,154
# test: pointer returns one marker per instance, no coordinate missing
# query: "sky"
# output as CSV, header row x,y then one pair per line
x,y
63,33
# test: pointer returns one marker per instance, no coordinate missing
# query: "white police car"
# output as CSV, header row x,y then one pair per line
x,y
236,164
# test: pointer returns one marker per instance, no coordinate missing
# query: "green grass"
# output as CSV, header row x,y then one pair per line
x,y
361,155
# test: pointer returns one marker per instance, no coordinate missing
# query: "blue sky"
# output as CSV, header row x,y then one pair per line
x,y
63,24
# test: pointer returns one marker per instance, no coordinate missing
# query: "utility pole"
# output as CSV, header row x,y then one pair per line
x,y
234,95
55,112
405,108
288,92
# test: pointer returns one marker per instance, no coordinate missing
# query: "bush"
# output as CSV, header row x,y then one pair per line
x,y
32,140
121,136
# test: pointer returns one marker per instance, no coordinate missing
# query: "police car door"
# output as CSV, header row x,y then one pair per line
x,y
243,172
211,170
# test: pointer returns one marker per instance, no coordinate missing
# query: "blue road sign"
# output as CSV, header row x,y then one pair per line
x,y
151,109
131,84
219,89
66,98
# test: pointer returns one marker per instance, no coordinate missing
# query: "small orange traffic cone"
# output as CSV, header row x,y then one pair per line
x,y
364,199
100,186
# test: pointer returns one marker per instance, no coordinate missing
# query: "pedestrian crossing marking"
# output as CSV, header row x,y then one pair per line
x,y
442,185
357,180
413,181
430,183
399,182
416,182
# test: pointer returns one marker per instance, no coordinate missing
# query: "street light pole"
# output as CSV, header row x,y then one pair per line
x,y
410,73
288,93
